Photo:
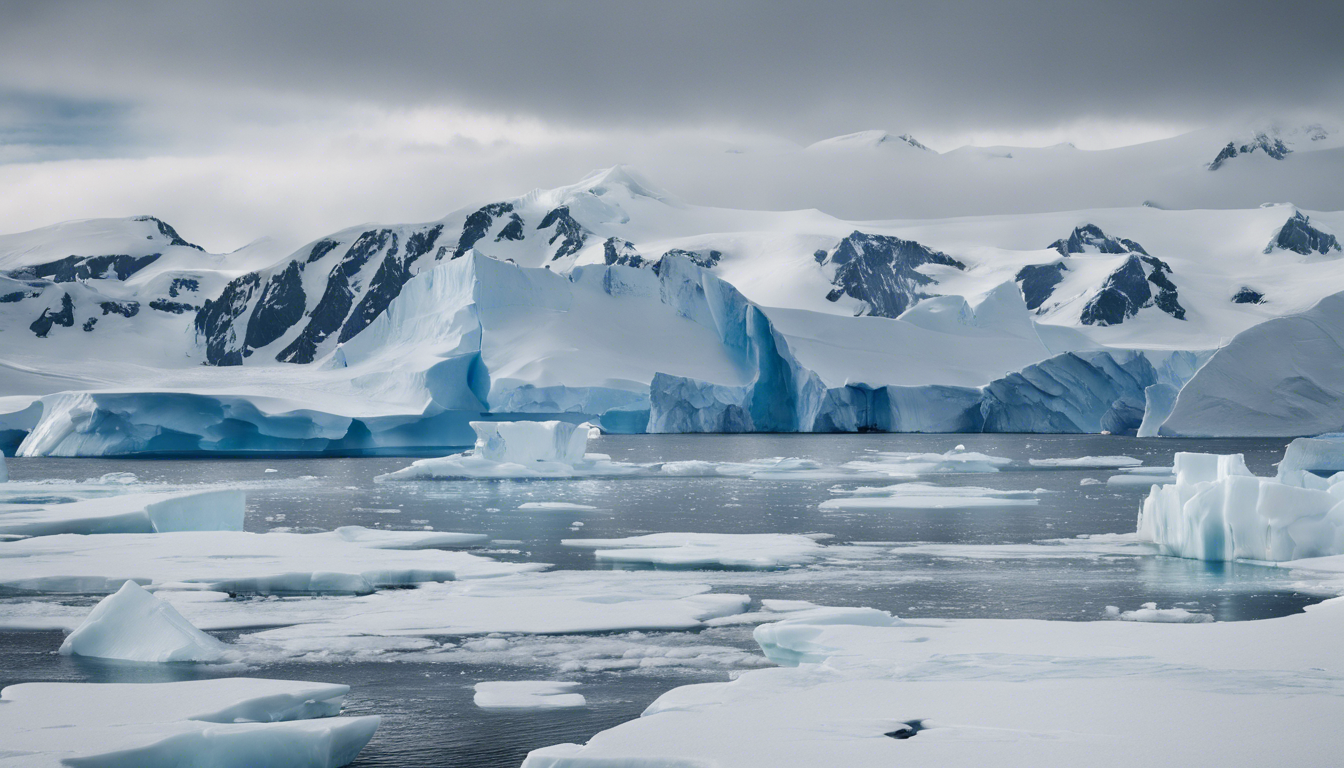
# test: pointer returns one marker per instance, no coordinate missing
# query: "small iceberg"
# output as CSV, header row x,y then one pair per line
x,y
133,625
528,694
705,550
1089,462
522,450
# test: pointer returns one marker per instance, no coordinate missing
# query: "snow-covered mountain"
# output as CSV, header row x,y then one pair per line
x,y
613,301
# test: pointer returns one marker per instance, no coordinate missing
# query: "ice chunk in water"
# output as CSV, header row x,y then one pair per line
x,y
700,550
526,442
133,625
215,510
527,694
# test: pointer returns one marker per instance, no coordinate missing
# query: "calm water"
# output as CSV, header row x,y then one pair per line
x,y
428,715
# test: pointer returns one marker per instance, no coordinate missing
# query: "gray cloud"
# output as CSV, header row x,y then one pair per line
x,y
802,70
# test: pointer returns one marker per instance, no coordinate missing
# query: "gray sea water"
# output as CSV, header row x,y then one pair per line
x,y
429,719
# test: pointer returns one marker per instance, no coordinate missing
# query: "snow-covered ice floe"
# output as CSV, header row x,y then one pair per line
x,y
556,506
701,550
226,723
1150,612
1218,510
133,625
927,496
956,460
527,694
1142,478
214,510
348,561
522,450
1089,462
1003,692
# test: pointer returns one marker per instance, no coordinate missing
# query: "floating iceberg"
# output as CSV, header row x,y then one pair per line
x,y
956,460
928,496
705,550
522,450
1321,453
1151,613
1218,510
240,562
556,506
133,625
216,510
234,722
527,694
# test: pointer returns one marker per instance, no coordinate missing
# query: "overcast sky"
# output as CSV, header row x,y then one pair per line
x,y
232,104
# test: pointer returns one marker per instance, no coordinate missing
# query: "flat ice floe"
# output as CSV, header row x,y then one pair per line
x,y
1150,612
214,510
527,694
350,561
701,550
1089,462
1005,692
558,506
905,464
928,496
133,625
227,723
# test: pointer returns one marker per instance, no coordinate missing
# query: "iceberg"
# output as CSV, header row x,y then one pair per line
x,y
1320,453
1150,612
527,694
215,510
237,722
1217,510
133,625
240,563
705,550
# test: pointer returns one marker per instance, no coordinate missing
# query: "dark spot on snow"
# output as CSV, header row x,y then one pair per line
x,y
906,730
513,230
73,268
64,318
123,308
176,307
88,324
1248,296
1297,235
1039,281
1090,239
570,233
183,284
882,272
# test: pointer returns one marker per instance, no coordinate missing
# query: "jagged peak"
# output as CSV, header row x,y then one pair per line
x,y
872,138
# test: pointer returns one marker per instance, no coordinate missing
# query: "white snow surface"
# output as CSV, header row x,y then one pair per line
x,y
133,625
1004,692
1217,510
236,722
350,561
1090,462
213,510
527,694
700,550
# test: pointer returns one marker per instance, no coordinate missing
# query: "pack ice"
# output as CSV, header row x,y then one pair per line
x,y
133,625
234,722
1218,510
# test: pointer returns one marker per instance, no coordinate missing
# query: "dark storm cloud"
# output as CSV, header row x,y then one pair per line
x,y
804,70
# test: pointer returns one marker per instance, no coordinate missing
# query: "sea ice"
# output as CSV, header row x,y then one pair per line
x,y
527,694
956,460
214,510
702,550
1090,462
233,722
239,562
928,496
133,625
557,506
1150,612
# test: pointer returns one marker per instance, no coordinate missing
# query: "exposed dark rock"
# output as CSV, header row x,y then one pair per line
x,y
88,324
176,307
123,308
881,271
215,319
1090,239
181,284
321,248
1275,148
513,230
1129,289
388,281
478,226
17,296
169,232
279,307
1248,296
331,310
65,317
571,234
1297,235
1039,281
906,730
706,258
623,253
73,268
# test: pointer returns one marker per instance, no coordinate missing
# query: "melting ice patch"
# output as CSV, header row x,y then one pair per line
x,y
1151,613
928,496
705,550
226,723
527,694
